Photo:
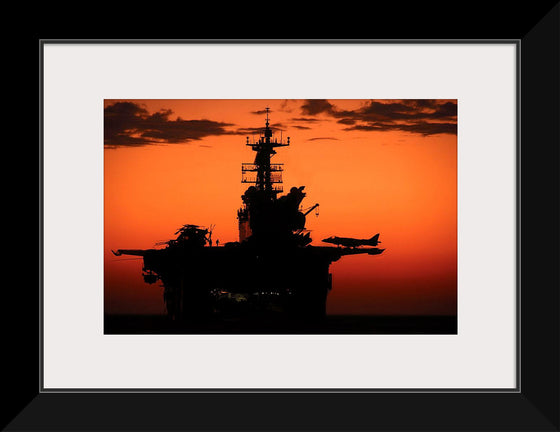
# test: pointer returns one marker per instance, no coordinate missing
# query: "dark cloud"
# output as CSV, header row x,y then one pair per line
x,y
317,106
347,121
249,131
422,128
305,119
276,127
405,110
323,138
300,127
260,112
129,124
421,116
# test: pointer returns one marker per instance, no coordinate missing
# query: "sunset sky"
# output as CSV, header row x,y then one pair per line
x,y
374,166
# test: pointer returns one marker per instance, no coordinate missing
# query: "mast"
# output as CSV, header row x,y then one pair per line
x,y
266,176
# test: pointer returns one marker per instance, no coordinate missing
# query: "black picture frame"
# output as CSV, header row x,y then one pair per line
x,y
534,405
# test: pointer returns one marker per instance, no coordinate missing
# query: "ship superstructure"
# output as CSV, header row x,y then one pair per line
x,y
266,178
273,268
265,218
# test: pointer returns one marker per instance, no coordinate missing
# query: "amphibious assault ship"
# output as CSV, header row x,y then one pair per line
x,y
272,269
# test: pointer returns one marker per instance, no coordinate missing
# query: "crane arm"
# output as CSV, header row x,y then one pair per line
x,y
311,209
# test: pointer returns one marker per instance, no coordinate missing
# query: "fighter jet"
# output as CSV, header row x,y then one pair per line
x,y
352,242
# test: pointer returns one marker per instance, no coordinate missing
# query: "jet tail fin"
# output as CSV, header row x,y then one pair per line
x,y
375,238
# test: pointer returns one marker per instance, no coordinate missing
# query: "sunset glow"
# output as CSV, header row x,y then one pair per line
x,y
382,166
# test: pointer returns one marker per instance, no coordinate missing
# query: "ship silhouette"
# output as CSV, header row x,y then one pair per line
x,y
272,269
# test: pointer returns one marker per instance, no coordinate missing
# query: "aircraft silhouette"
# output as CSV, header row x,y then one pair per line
x,y
352,242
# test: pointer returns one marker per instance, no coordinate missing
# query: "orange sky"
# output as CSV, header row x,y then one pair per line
x,y
373,166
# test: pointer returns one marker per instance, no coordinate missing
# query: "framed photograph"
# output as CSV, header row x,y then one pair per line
x,y
338,232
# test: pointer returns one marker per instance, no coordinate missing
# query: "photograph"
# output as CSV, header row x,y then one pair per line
x,y
280,216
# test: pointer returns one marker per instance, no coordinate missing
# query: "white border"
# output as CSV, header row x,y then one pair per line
x,y
78,77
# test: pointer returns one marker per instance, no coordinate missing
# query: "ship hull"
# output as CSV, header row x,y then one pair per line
x,y
242,280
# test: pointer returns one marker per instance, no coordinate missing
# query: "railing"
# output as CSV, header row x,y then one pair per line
x,y
245,167
248,177
252,177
